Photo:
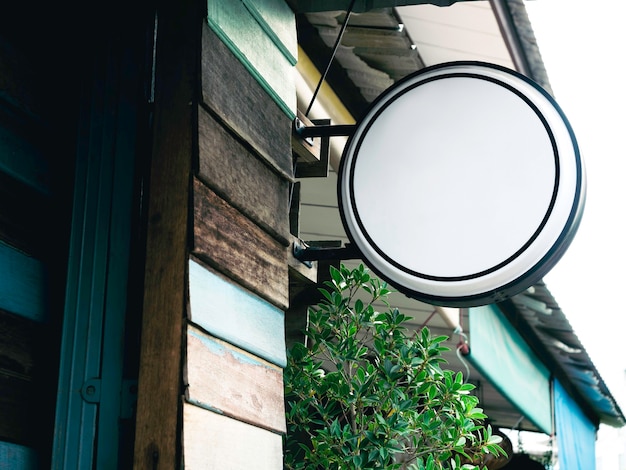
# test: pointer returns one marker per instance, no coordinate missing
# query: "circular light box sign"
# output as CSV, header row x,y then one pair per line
x,y
462,185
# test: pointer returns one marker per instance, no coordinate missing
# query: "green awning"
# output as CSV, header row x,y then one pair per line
x,y
498,351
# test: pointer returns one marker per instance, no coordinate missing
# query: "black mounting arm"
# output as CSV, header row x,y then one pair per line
x,y
306,253
307,132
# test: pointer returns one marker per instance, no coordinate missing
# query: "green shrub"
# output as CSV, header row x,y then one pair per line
x,y
367,393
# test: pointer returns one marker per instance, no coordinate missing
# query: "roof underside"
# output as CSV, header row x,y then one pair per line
x,y
546,328
381,46
307,6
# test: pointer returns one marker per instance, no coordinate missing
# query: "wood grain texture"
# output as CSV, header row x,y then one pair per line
x,y
279,23
237,384
241,178
160,375
212,441
249,41
243,105
236,315
236,246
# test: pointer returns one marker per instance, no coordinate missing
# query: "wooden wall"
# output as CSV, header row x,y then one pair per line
x,y
233,412
210,391
35,164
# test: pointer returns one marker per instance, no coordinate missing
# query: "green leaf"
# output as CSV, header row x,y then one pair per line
x,y
335,275
326,294
364,386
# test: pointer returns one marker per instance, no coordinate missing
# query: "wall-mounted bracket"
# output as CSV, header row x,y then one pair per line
x,y
306,253
333,130
311,154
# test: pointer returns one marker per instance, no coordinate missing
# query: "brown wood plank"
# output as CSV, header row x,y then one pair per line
x,y
238,384
157,444
236,246
213,441
236,97
241,178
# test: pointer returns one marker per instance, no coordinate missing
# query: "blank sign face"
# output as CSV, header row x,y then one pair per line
x,y
462,185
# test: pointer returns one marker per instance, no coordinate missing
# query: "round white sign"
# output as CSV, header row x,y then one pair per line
x,y
462,185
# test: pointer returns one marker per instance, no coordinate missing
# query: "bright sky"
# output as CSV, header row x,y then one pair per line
x,y
582,44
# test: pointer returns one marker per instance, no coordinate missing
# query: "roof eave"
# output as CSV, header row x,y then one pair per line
x,y
309,6
520,39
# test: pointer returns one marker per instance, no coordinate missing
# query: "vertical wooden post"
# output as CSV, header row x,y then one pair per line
x,y
157,439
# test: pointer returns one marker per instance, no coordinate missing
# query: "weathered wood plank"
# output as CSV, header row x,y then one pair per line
x,y
16,457
279,23
223,378
249,112
23,286
250,43
236,246
160,385
236,315
224,163
213,441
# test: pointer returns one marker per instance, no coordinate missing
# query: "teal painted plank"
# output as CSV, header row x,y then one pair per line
x,y
21,158
235,315
278,22
22,284
16,457
244,36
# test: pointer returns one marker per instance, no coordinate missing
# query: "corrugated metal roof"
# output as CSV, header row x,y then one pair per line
x,y
549,329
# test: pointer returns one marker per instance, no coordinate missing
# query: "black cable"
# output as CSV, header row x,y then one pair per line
x,y
332,56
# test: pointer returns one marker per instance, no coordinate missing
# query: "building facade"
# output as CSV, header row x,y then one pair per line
x,y
147,176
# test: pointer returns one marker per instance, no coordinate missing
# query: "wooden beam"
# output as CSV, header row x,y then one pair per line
x,y
157,444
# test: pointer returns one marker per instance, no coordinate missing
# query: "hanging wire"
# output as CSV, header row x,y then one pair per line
x,y
332,56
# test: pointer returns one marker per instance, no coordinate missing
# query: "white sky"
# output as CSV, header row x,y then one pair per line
x,y
582,44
